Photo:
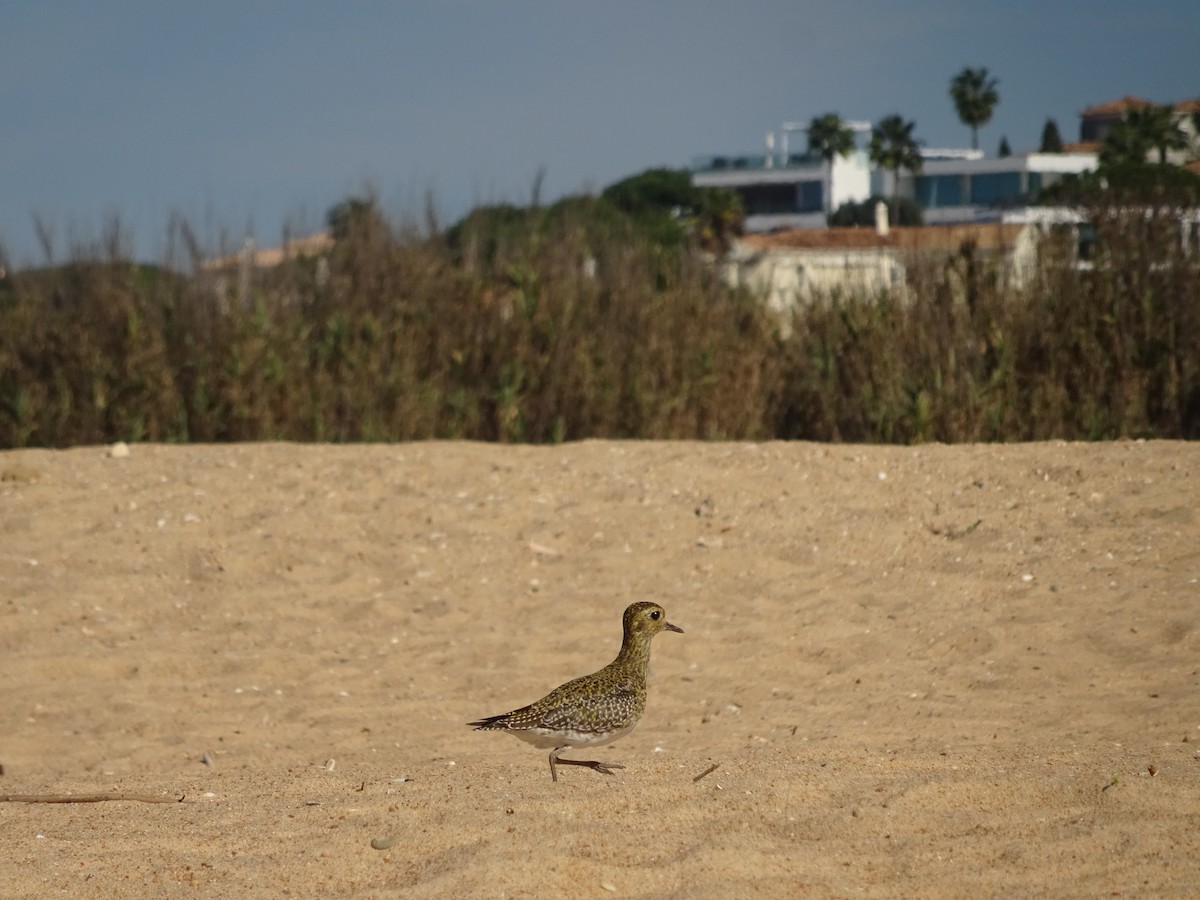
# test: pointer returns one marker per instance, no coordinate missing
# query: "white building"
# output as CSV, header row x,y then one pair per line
x,y
953,189
789,190
790,268
784,190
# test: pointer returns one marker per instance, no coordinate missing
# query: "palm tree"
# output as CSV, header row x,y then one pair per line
x,y
717,218
1159,127
893,147
974,95
1124,143
829,136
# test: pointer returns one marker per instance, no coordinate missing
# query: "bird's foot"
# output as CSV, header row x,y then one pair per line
x,y
601,767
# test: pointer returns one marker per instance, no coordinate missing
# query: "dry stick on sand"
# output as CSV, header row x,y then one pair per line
x,y
86,798
707,771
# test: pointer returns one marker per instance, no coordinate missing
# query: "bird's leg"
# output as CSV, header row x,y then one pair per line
x,y
601,767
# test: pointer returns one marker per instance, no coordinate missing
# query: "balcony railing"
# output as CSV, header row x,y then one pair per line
x,y
758,163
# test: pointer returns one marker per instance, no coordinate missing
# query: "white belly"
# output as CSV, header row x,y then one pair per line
x,y
548,740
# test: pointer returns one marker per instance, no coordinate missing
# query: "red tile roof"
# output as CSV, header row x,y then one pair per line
x,y
1118,107
1122,105
987,236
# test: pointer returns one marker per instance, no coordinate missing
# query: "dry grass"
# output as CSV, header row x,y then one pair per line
x,y
506,334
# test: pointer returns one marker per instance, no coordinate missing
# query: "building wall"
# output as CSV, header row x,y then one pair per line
x,y
787,277
851,179
960,190
777,191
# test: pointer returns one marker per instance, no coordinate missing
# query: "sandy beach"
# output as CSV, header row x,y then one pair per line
x,y
918,671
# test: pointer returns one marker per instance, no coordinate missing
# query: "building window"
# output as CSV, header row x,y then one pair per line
x,y
811,196
995,188
768,199
933,191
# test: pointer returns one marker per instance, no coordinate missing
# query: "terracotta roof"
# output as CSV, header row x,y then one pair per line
x,y
1122,105
1116,107
1082,147
987,236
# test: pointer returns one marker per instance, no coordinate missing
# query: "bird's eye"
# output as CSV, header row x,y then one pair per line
x,y
655,614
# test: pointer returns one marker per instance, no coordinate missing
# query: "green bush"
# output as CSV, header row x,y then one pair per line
x,y
901,211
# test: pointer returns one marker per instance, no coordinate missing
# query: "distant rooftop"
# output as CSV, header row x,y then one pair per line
x,y
1123,105
987,236
1118,107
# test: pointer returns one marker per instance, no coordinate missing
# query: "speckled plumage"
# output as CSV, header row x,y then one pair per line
x,y
595,709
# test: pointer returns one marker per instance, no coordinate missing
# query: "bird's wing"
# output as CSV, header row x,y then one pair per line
x,y
573,710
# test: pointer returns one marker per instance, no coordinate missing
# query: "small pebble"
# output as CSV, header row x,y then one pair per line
x,y
383,843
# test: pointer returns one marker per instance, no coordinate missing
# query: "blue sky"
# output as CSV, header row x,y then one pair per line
x,y
256,114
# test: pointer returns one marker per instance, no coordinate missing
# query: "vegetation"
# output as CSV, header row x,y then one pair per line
x,y
893,148
1162,129
902,211
1052,141
1144,130
575,320
1127,184
828,137
665,202
1004,149
975,97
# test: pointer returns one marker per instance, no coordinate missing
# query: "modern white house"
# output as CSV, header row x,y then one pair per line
x,y
789,190
954,189
796,192
784,190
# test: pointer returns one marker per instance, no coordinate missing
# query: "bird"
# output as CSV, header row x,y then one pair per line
x,y
595,709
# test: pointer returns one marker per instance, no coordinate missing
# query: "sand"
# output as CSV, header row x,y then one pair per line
x,y
932,671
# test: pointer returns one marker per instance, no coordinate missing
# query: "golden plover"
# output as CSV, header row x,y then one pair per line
x,y
595,709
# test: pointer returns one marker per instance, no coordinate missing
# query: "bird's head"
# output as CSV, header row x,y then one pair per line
x,y
648,619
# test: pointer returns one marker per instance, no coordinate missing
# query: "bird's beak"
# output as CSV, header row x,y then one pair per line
x,y
669,627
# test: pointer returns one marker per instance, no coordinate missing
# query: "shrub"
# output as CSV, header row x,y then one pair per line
x,y
572,321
